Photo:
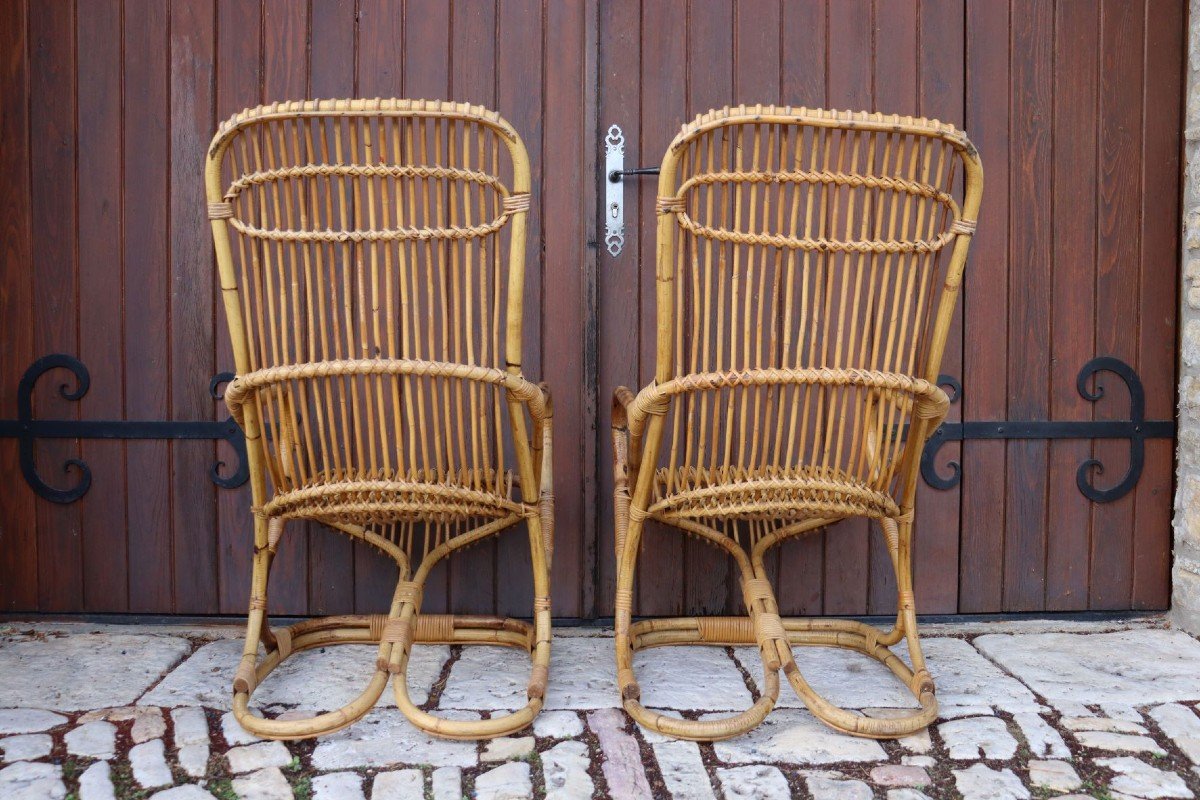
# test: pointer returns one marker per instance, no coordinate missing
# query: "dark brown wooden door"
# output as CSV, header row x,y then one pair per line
x,y
106,109
1074,107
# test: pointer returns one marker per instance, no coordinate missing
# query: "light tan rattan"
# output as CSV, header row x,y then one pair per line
x,y
808,266
372,264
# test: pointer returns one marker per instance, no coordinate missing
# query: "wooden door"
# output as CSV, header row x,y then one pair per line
x,y
1074,107
106,109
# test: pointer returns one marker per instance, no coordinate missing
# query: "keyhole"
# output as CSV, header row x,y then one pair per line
x,y
615,209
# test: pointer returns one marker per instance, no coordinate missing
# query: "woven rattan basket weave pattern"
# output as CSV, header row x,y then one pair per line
x,y
808,266
371,257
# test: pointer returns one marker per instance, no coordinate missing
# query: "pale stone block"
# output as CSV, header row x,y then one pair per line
x,y
96,783
1058,776
557,725
713,681
28,720
758,782
1121,711
565,772
190,726
266,784
33,669
832,789
683,770
1043,740
928,762
254,757
1101,724
188,791
404,784
315,680
1182,725
447,783
1139,779
149,763
1133,667
791,736
1121,742
506,748
92,740
26,746
193,759
907,794
32,780
974,737
509,781
338,786
980,782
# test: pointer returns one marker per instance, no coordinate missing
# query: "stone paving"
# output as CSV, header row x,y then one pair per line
x,y
1034,709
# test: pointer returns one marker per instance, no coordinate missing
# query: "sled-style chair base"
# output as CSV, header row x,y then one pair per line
x,y
395,633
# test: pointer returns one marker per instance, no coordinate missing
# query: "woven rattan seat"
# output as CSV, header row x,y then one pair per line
x,y
808,265
371,256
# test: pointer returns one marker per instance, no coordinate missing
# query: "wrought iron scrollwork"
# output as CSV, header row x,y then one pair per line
x,y
27,430
1136,429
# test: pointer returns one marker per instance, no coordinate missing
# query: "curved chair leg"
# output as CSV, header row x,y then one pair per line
x,y
451,629
870,641
651,633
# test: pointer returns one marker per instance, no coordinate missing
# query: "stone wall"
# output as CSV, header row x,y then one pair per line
x,y
1186,570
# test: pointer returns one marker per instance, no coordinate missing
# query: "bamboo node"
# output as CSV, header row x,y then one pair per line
x,y
222,210
516,203
669,205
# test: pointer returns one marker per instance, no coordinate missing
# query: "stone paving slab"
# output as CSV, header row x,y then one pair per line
x,y
1012,725
1136,667
321,679
85,671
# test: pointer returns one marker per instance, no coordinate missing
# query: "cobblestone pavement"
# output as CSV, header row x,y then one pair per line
x,y
1029,710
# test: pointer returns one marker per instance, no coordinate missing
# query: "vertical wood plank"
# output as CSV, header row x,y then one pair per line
x,y
801,586
520,57
473,79
285,77
757,79
850,86
102,512
895,77
618,290
661,570
145,188
985,311
1076,50
941,88
239,85
55,293
331,555
193,506
1158,303
1118,251
1029,304
568,351
710,580
18,517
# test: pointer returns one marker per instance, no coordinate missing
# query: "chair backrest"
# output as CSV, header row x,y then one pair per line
x,y
794,239
373,230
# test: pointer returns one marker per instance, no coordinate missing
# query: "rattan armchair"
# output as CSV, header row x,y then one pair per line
x,y
808,266
371,257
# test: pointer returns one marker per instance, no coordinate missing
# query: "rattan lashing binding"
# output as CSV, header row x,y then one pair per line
x,y
808,265
371,257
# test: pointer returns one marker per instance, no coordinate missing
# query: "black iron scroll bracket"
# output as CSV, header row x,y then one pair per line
x,y
1136,429
28,430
